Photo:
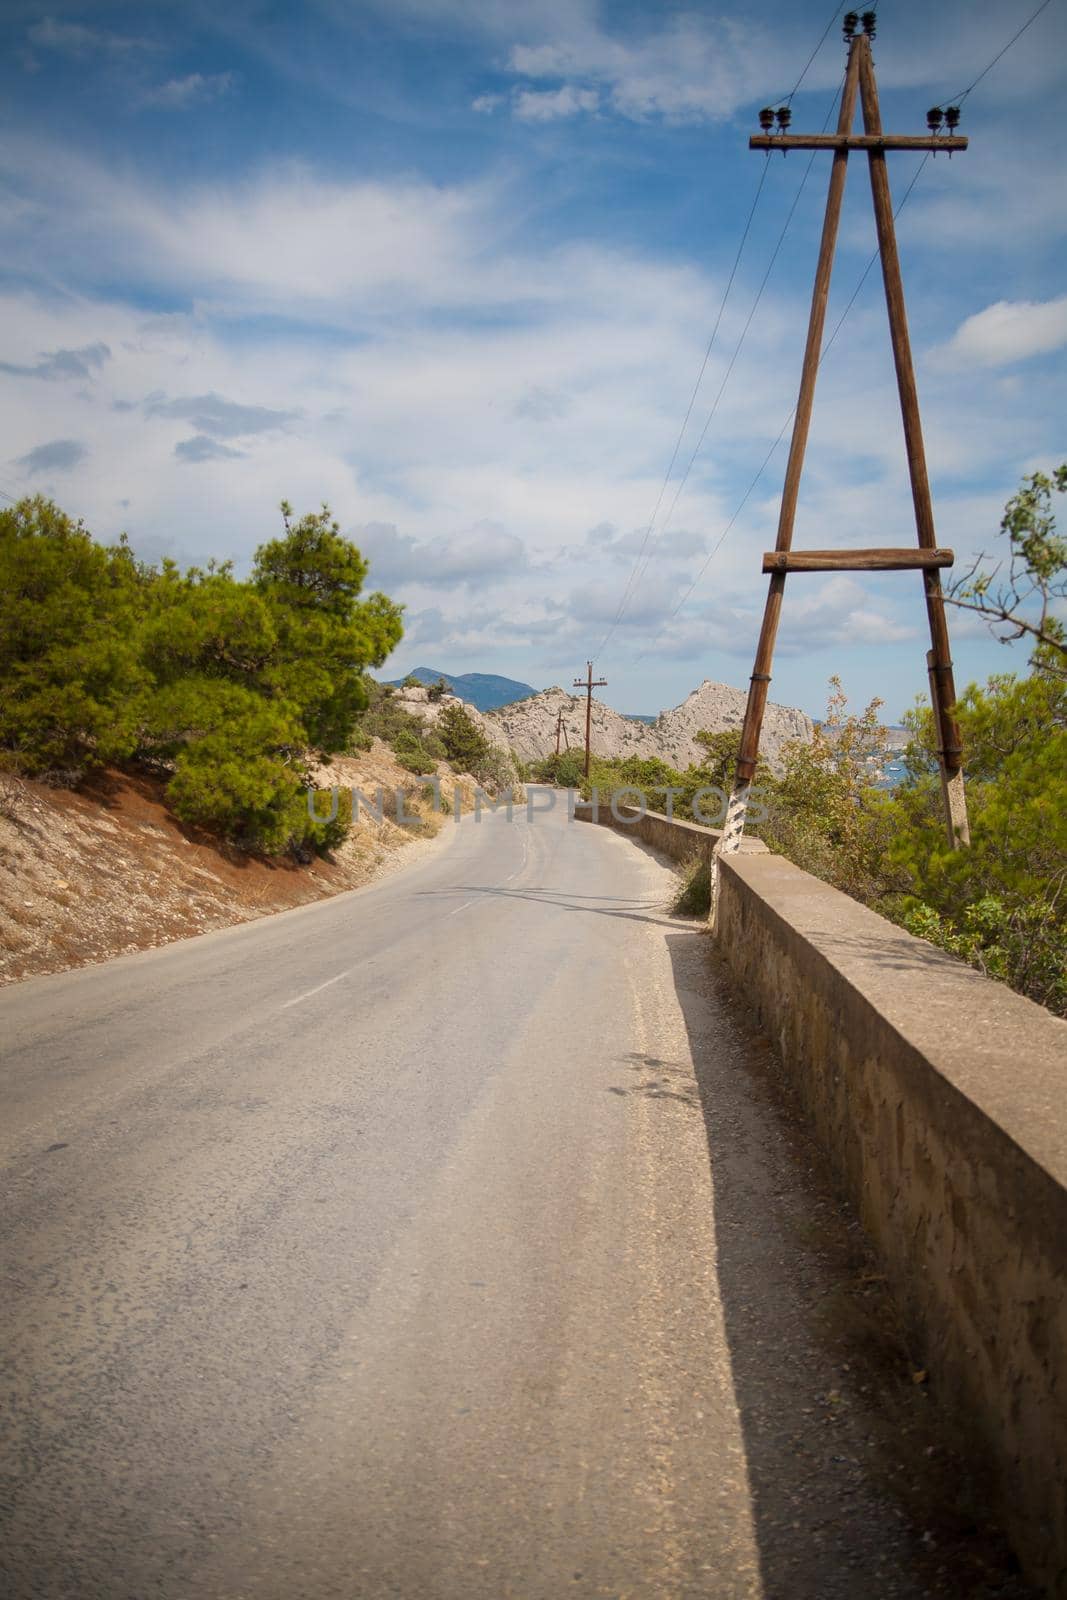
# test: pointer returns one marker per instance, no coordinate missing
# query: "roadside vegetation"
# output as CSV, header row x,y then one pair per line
x,y
1000,904
420,743
232,691
652,776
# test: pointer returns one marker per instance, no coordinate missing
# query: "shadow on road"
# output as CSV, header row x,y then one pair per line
x,y
594,905
852,1490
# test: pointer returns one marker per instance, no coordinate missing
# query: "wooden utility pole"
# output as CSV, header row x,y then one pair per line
x,y
927,558
561,728
588,683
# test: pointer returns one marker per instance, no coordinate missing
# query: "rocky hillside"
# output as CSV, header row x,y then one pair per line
x,y
530,726
418,703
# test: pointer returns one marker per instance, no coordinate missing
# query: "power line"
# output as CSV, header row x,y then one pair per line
x,y
958,99
637,571
782,431
744,333
825,35
688,413
740,342
954,100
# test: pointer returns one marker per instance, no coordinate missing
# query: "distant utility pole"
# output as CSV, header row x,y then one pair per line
x,y
589,683
927,557
561,728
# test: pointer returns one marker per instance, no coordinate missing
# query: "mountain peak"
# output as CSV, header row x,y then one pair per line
x,y
483,690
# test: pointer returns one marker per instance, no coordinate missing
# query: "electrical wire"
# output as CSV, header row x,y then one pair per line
x,y
958,99
951,100
688,413
744,333
834,15
637,570
782,431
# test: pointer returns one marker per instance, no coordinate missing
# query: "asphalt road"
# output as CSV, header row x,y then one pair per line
x,y
374,1249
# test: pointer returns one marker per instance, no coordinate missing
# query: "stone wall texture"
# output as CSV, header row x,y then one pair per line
x,y
941,1098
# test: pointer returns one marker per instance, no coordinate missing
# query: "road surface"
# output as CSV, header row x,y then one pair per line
x,y
374,1249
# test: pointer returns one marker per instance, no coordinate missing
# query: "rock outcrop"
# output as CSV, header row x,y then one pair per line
x,y
419,704
529,726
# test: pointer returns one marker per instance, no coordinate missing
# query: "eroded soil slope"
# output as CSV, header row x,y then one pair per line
x,y
106,869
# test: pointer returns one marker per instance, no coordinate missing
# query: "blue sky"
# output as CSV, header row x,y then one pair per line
x,y
453,267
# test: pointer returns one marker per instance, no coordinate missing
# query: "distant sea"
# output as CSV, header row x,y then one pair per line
x,y
892,776
891,764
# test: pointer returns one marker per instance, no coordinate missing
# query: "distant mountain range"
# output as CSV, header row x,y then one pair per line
x,y
483,690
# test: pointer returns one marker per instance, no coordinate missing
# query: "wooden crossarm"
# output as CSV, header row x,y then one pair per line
x,y
893,560
855,141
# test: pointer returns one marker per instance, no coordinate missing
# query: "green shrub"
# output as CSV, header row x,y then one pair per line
x,y
1023,945
693,897
565,770
384,717
227,688
324,835
466,746
413,751
71,678
496,770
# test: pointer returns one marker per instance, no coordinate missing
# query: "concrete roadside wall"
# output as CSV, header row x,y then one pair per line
x,y
941,1098
674,837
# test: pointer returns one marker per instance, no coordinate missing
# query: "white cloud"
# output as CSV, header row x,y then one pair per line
x,y
485,445
480,557
73,39
690,69
1011,330
549,105
676,544
375,243
178,94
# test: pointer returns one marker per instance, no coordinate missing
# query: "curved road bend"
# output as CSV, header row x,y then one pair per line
x,y
373,1249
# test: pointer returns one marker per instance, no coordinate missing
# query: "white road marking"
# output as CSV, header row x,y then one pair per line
x,y
508,879
522,863
317,990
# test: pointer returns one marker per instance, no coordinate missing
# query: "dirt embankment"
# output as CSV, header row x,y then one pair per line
x,y
106,869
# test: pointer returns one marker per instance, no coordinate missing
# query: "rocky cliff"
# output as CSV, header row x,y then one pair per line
x,y
529,726
418,702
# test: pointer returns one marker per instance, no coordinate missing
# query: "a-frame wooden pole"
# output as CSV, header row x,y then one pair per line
x,y
761,675
928,558
761,672
941,679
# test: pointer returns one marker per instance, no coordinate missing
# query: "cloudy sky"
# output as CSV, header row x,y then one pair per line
x,y
453,267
